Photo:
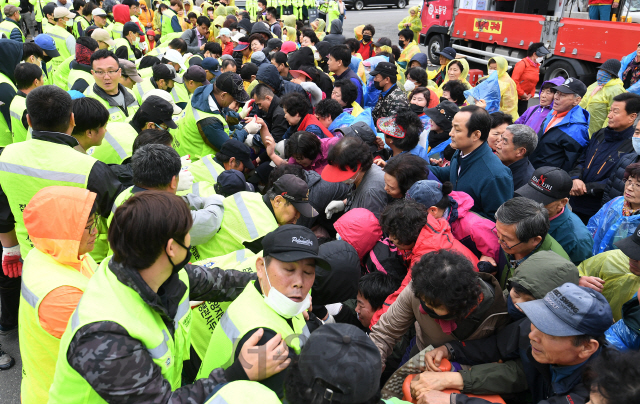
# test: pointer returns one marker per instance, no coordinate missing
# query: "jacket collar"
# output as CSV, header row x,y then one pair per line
x,y
275,103
519,164
128,97
78,66
55,137
561,386
614,136
477,154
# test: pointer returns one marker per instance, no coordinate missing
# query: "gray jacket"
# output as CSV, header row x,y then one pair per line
x,y
207,216
190,36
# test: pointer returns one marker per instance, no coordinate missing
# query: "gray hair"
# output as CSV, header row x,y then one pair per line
x,y
524,136
530,217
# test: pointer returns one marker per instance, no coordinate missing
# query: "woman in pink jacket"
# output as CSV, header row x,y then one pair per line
x,y
306,150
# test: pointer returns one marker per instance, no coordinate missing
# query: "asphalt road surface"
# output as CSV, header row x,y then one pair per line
x,y
10,379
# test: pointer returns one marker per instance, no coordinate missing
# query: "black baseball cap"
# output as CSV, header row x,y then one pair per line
x,y
232,83
166,72
196,73
361,130
290,243
159,109
296,191
630,246
572,86
547,185
445,111
230,182
239,150
340,363
386,69
383,41
131,27
448,53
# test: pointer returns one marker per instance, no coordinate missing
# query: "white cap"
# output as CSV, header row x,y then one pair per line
x,y
224,31
61,12
102,35
98,12
165,96
174,56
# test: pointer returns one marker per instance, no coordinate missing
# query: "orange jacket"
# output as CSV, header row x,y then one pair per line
x,y
526,75
146,17
56,218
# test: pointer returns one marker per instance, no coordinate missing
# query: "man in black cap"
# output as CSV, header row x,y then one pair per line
x,y
446,55
164,78
565,131
154,113
233,155
288,199
231,182
125,47
195,77
392,99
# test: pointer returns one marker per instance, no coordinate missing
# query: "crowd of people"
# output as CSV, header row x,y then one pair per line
x,y
207,204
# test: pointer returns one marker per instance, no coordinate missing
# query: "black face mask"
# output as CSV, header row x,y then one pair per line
x,y
377,86
417,109
433,314
401,43
177,267
46,58
513,310
366,38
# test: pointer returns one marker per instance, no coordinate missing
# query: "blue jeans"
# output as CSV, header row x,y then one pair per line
x,y
602,13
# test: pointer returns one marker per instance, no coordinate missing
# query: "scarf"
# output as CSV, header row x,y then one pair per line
x,y
603,77
83,54
627,211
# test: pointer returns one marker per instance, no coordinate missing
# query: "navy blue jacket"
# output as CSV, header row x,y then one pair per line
x,y
351,75
521,171
269,75
482,176
562,144
615,184
595,165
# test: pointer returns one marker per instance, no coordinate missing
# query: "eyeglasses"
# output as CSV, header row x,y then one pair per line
x,y
109,72
504,245
92,226
632,184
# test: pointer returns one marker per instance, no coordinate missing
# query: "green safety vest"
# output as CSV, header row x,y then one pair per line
x,y
117,144
121,304
246,313
46,25
252,9
333,12
187,138
146,72
77,74
27,167
140,89
61,73
207,315
6,27
115,113
41,274
120,42
206,169
83,23
6,138
48,73
37,7
165,27
116,30
244,392
195,57
16,110
59,36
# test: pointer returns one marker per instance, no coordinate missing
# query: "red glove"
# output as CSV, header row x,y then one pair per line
x,y
12,261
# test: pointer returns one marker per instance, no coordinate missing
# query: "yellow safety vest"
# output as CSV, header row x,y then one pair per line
x,y
120,42
6,27
244,392
206,169
16,110
115,113
60,76
187,139
117,144
77,74
59,36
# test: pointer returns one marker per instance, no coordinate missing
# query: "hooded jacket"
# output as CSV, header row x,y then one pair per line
x,y
508,89
321,193
343,257
420,58
526,74
121,14
269,75
609,225
614,187
561,145
472,230
598,104
463,75
335,36
416,23
535,115
10,56
624,335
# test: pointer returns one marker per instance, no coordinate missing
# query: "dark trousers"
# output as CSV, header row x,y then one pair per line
x,y
9,300
522,106
505,6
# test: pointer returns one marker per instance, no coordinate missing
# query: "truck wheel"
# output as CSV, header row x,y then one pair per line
x,y
402,3
359,5
559,68
436,44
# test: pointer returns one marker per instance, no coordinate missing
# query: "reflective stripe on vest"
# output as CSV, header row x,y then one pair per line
x,y
244,391
116,146
15,115
160,350
28,295
246,216
212,170
43,174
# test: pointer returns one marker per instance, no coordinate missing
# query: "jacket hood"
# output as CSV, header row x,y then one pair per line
x,y
322,25
336,27
219,20
200,98
10,56
345,271
416,9
59,235
545,271
220,12
121,13
312,177
420,58
502,65
360,228
268,74
246,25
290,20
577,116
260,28
465,202
465,71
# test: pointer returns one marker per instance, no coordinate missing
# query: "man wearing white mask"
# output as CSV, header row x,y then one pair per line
x,y
65,42
275,303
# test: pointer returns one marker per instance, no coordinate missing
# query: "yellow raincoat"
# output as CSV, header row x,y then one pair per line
x,y
320,32
290,33
357,31
508,90
289,20
416,23
220,12
408,53
598,104
463,76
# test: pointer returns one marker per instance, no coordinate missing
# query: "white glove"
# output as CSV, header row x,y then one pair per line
x,y
185,161
334,207
247,108
249,140
252,127
280,147
185,180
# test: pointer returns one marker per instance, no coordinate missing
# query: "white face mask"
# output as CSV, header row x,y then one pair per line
x,y
490,71
282,305
352,180
69,23
539,60
409,85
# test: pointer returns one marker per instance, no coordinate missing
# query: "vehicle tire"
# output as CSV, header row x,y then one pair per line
x,y
358,5
402,3
436,44
559,68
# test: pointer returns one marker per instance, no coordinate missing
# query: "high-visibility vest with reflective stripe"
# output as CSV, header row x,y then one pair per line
x,y
187,138
77,74
166,18
116,145
180,93
140,89
47,74
39,15
27,167
61,73
116,30
5,131
16,110
42,274
84,24
115,113
194,58
207,315
206,169
59,36
6,27
121,304
244,392
246,313
120,42
146,72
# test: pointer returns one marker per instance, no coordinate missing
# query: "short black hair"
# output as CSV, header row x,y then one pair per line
x,y
419,75
25,74
407,169
479,120
213,47
353,44
376,287
631,102
369,27
228,62
446,279
264,2
407,34
351,152
500,118
149,61
413,127
396,52
403,220
309,33
194,15
260,91
88,8
295,104
49,109
88,114
280,58
348,89
303,144
328,107
31,49
456,90
273,11
614,374
154,166
533,48
202,20
103,54
248,70
341,53
152,136
178,44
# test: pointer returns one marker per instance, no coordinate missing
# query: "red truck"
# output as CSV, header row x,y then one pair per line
x,y
578,45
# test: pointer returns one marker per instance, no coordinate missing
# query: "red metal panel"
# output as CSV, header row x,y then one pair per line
x,y
516,28
612,40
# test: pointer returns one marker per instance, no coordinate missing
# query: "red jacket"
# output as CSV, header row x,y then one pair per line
x,y
435,235
311,119
601,2
366,50
526,75
228,48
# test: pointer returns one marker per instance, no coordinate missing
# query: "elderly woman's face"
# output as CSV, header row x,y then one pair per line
x,y
256,46
632,192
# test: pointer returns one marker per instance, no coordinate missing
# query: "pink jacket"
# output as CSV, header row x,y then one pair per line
x,y
360,228
473,230
320,162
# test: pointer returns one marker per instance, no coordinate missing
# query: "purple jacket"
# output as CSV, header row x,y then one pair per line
x,y
534,116
318,164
